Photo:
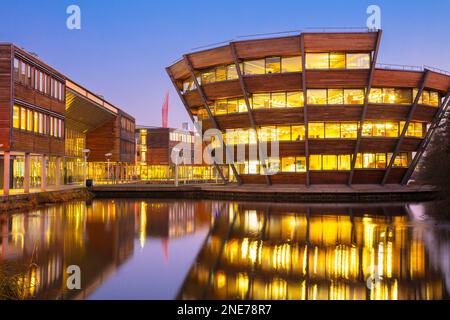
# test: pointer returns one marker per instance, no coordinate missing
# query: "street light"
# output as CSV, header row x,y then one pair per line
x,y
108,157
86,155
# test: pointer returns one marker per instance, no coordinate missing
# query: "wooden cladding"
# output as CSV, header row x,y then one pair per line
x,y
336,78
36,98
5,95
29,142
328,42
285,46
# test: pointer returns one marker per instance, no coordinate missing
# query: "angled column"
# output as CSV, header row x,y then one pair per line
x,y
26,182
197,126
6,172
305,107
405,128
211,116
262,155
364,111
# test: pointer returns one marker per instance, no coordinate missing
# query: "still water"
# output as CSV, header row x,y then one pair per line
x,y
162,249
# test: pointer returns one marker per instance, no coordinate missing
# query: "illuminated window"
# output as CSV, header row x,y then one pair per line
x,y
254,67
267,133
392,129
261,101
279,100
379,129
317,61
349,130
332,130
221,73
369,161
242,136
335,96
344,162
300,164
208,76
425,97
358,61
273,65
329,162
295,99
23,118
315,162
242,106
337,60
232,106
317,96
291,64
298,133
232,72
380,160
284,133
288,164
376,95
29,120
36,122
316,130
16,117
354,96
434,99
401,161
367,129
252,136
221,107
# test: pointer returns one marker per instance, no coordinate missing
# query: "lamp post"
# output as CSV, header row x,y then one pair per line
x,y
86,155
108,157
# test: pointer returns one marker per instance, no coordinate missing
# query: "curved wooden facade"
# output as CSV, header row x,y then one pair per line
x,y
420,86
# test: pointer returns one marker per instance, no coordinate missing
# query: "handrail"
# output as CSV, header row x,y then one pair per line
x,y
437,70
398,67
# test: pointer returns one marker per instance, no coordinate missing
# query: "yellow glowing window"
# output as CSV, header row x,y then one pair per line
x,y
349,130
300,164
315,162
329,162
232,72
267,133
36,122
298,133
354,96
29,120
379,129
335,96
376,95
291,64
295,99
316,130
317,96
358,61
381,160
261,101
367,129
242,106
252,137
392,129
221,107
16,117
337,60
369,161
208,76
434,99
23,118
344,162
273,65
401,161
242,136
41,123
425,97
232,105
255,67
288,164
317,61
284,133
332,130
221,73
279,100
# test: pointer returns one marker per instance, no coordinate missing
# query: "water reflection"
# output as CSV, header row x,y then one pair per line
x,y
220,250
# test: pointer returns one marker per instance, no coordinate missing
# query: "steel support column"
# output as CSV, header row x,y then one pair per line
x,y
405,128
262,155
188,110
364,111
211,116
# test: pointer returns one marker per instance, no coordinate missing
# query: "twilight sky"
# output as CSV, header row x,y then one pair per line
x,y
124,46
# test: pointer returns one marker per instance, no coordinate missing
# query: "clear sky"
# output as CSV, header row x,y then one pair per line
x,y
124,46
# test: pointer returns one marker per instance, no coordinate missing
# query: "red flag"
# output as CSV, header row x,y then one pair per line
x,y
165,111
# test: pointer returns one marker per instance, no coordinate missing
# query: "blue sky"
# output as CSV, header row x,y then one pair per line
x,y
124,45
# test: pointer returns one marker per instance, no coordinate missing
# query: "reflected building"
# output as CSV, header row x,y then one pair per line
x,y
313,253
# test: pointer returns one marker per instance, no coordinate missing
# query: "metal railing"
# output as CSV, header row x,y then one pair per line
x,y
400,67
437,70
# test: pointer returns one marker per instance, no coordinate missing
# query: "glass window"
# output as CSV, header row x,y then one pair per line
x,y
267,133
291,64
36,122
242,106
295,99
425,97
344,162
221,107
16,69
335,96
434,99
376,95
208,76
16,117
29,120
329,162
379,129
288,164
41,123
273,65
279,100
317,61
381,160
367,129
242,136
401,161
284,133
337,60
316,130
358,61
369,161
389,95
332,130
261,101
221,73
254,67
315,162
298,133
403,96
300,164
232,105
317,96
232,72
392,129
418,130
354,96
349,130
